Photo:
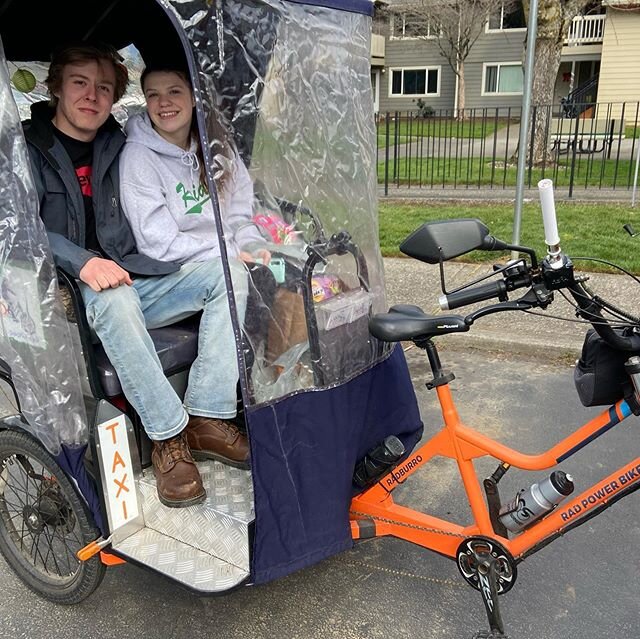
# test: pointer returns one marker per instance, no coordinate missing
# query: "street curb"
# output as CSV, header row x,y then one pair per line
x,y
507,344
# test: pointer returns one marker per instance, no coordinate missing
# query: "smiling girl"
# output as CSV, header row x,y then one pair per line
x,y
166,199
163,182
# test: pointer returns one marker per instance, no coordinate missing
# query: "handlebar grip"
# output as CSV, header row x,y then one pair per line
x,y
545,188
472,295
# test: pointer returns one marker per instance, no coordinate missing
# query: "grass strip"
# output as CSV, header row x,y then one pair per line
x,y
585,229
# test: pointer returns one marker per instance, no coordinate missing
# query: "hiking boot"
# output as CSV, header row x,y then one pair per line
x,y
177,476
212,438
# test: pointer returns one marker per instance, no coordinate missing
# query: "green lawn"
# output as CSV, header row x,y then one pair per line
x,y
585,229
451,172
632,132
411,130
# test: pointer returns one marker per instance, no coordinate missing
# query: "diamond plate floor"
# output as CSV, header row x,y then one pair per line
x,y
220,525
205,547
194,568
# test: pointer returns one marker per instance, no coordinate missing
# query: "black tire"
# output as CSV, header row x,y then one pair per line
x,y
44,522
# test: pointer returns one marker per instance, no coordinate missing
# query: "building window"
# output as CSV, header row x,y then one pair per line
x,y
412,26
414,82
502,79
507,17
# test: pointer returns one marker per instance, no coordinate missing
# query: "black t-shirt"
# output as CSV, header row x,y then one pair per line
x,y
81,154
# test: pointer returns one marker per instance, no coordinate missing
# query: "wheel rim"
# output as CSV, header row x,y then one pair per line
x,y
41,526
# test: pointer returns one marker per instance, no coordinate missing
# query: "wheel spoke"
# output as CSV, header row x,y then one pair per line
x,y
18,490
11,505
34,551
66,539
49,539
25,482
43,522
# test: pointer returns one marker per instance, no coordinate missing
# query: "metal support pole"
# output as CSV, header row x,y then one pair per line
x,y
532,30
635,179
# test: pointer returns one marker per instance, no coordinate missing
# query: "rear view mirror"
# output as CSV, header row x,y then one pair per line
x,y
446,239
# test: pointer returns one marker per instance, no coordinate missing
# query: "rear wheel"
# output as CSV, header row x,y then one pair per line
x,y
44,522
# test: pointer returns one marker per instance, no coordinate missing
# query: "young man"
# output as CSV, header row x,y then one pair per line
x,y
74,143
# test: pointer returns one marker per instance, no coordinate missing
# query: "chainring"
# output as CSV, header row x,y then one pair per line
x,y
474,550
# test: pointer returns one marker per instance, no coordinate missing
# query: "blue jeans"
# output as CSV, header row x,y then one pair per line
x,y
121,316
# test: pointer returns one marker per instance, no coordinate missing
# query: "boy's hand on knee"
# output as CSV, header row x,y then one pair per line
x,y
99,274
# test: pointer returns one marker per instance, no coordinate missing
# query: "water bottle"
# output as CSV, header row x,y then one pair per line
x,y
378,461
532,503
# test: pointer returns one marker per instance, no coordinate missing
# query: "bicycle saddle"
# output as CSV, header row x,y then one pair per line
x,y
409,322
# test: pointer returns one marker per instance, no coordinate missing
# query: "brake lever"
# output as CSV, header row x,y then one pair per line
x,y
528,300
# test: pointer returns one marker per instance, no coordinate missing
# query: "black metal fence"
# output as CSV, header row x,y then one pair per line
x,y
436,150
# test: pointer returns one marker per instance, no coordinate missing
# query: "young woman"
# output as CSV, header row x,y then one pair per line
x,y
165,198
163,183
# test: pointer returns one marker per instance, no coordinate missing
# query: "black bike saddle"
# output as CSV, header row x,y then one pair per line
x,y
408,322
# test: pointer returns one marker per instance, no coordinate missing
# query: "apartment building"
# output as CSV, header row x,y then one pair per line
x,y
600,59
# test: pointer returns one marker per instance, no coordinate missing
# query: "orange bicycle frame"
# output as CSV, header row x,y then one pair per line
x,y
374,512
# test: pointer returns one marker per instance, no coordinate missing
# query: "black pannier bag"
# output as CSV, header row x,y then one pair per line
x,y
599,375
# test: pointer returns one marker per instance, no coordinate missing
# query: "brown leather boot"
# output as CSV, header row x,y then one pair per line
x,y
211,438
177,477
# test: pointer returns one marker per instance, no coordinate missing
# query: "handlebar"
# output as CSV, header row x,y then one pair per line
x,y
473,295
620,339
484,292
589,308
554,273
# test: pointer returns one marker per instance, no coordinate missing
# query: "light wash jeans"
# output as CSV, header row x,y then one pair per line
x,y
121,316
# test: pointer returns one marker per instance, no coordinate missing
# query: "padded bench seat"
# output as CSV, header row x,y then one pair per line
x,y
176,345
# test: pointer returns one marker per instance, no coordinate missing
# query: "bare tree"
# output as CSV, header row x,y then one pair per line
x,y
455,26
554,21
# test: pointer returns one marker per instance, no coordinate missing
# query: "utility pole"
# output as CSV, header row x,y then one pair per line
x,y
532,29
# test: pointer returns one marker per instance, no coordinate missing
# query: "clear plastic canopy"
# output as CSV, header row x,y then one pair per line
x,y
283,87
35,339
288,85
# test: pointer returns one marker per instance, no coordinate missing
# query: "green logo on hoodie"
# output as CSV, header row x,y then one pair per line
x,y
196,195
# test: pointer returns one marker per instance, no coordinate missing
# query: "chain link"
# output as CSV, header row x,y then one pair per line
x,y
414,526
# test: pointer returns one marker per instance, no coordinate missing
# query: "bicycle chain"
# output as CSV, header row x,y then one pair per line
x,y
400,523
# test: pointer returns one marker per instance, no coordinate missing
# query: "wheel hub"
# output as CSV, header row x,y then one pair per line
x,y
54,510
51,509
32,520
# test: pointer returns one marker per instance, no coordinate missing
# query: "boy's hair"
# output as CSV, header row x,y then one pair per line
x,y
85,52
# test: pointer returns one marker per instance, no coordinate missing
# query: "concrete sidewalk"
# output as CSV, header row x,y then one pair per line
x,y
542,336
487,194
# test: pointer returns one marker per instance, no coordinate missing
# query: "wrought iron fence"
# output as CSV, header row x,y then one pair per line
x,y
579,146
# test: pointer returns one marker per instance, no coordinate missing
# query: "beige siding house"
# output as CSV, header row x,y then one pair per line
x,y
620,63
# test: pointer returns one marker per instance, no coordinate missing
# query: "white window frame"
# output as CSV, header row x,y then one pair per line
x,y
396,17
483,92
487,29
426,81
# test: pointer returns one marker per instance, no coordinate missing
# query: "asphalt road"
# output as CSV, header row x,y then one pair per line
x,y
582,585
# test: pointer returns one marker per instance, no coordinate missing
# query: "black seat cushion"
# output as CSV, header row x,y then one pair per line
x,y
176,345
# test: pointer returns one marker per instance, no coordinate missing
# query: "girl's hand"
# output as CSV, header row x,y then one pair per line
x,y
262,254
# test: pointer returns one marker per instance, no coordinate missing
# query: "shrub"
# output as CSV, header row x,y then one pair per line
x,y
424,110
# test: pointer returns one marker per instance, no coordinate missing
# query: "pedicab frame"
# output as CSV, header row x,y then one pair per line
x,y
292,81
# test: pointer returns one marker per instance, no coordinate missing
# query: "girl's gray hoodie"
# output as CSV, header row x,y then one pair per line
x,y
170,213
